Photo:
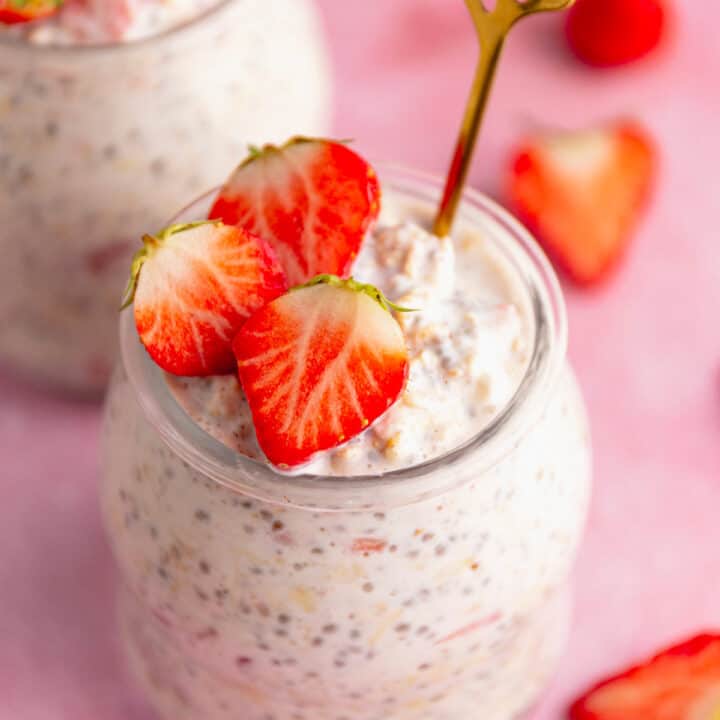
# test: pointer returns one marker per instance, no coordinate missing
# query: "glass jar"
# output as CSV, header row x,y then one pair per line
x,y
430,593
100,144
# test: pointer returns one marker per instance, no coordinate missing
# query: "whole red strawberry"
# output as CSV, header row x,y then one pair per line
x,y
680,683
604,33
318,366
313,200
13,12
193,286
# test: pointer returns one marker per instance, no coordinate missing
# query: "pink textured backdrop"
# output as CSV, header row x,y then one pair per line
x,y
646,348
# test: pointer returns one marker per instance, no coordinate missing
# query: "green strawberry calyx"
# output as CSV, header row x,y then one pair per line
x,y
352,284
259,151
33,5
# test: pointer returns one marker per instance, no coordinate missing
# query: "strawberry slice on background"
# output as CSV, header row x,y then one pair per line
x,y
581,193
680,683
319,365
13,12
193,286
313,200
606,33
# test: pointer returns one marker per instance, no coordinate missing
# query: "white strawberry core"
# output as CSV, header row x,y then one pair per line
x,y
271,171
323,313
335,309
170,278
580,154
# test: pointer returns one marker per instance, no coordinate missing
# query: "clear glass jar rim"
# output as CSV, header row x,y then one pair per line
x,y
115,47
407,485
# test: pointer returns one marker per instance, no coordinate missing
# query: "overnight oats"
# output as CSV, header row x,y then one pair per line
x,y
112,115
416,569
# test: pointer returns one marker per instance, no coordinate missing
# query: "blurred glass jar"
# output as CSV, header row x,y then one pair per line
x,y
100,144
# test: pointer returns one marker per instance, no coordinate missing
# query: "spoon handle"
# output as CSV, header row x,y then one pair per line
x,y
492,27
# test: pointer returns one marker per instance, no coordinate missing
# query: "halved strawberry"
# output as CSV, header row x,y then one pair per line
x,y
680,683
318,366
193,286
312,200
581,193
614,32
22,11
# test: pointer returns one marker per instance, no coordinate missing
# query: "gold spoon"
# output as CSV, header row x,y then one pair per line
x,y
492,28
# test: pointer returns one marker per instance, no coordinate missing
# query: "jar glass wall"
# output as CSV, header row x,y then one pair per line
x,y
428,593
101,144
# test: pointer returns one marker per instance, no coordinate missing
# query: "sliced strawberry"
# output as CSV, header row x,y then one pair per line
x,y
581,193
193,287
312,200
318,366
681,683
13,12
614,32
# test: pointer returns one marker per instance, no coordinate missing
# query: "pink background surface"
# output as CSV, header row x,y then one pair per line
x,y
646,348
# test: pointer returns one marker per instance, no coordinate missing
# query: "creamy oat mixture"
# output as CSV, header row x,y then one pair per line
x,y
468,342
99,22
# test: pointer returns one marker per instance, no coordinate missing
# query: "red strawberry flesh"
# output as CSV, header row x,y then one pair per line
x,y
680,683
13,12
312,200
605,33
195,287
581,193
318,366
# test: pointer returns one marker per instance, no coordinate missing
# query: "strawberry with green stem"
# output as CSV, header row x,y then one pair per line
x,y
193,286
319,365
312,199
13,12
